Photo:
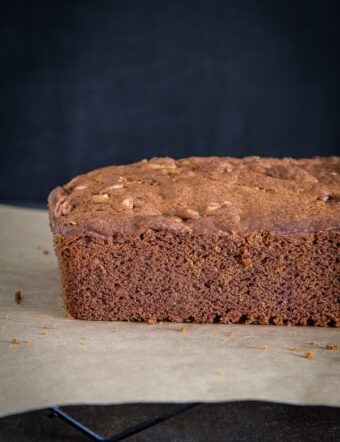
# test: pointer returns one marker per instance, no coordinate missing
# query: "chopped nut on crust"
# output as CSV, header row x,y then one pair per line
x,y
62,207
212,208
100,198
128,203
158,164
155,166
113,187
18,297
191,214
175,219
80,187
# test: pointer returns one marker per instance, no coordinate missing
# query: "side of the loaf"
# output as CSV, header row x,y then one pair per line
x,y
257,278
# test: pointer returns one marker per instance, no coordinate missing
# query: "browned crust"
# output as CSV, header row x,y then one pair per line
x,y
202,196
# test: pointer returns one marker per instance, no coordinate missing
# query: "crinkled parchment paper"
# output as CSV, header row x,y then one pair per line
x,y
60,361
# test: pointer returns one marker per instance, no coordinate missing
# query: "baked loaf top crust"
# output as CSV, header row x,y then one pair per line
x,y
201,195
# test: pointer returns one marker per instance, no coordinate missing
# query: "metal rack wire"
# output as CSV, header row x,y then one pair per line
x,y
179,409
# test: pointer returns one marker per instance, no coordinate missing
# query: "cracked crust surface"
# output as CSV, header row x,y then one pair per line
x,y
202,195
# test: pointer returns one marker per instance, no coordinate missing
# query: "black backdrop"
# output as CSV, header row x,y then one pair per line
x,y
88,83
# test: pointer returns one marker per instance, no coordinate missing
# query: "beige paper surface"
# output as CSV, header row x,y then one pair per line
x,y
67,361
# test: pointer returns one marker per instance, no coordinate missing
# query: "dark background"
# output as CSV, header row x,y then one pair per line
x,y
87,83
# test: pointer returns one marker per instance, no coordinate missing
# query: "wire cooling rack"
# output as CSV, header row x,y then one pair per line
x,y
141,426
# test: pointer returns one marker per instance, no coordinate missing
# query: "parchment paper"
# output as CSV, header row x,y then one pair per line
x,y
62,361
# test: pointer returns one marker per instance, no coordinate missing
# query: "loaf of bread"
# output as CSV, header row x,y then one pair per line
x,y
225,240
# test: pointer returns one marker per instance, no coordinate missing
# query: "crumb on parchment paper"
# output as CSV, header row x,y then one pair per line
x,y
151,321
18,297
15,341
219,373
313,344
184,329
309,355
258,346
333,347
69,316
49,327
46,252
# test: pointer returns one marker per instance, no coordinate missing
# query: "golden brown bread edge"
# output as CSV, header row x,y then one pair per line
x,y
253,240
